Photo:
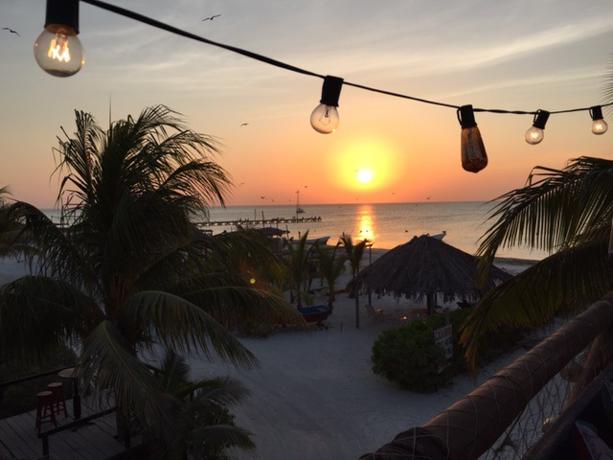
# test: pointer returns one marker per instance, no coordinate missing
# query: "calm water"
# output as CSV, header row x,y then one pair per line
x,y
386,224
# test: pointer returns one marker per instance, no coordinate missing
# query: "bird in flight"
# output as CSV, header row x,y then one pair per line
x,y
210,18
11,31
262,197
244,124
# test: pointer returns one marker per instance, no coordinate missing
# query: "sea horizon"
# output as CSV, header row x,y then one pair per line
x,y
386,225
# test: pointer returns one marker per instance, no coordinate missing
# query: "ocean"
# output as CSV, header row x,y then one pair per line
x,y
387,225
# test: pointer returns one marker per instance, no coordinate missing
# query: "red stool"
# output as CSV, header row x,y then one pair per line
x,y
59,403
44,409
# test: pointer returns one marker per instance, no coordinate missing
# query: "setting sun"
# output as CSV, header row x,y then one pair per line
x,y
364,176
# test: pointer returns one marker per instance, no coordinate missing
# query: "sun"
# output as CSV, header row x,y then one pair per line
x,y
364,176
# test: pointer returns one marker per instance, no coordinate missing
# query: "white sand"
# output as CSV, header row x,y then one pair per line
x,y
314,395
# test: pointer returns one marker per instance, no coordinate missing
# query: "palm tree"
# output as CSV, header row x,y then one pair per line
x,y
9,228
354,255
131,270
331,266
297,264
205,426
565,212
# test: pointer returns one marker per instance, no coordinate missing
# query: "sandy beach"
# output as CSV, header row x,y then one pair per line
x,y
314,395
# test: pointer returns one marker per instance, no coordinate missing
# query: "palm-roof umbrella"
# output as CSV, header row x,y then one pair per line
x,y
426,266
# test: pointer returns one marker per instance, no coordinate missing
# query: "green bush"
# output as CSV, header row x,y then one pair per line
x,y
410,357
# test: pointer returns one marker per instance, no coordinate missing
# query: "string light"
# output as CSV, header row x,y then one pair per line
x,y
474,158
533,136
57,49
324,118
599,126
536,134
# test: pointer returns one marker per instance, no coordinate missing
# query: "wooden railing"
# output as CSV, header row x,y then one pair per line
x,y
468,428
78,420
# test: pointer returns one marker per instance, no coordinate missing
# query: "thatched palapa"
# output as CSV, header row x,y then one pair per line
x,y
426,266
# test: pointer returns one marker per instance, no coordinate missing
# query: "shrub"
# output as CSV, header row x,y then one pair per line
x,y
409,356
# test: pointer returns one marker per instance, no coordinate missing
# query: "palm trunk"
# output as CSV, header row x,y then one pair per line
x,y
357,306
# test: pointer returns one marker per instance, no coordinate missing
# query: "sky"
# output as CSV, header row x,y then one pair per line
x,y
512,55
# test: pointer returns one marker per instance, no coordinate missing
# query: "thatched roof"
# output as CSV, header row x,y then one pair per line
x,y
423,266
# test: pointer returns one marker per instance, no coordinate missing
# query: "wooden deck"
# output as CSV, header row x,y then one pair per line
x,y
93,441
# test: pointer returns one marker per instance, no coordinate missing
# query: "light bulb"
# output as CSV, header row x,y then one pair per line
x,y
535,134
599,126
324,119
58,51
474,157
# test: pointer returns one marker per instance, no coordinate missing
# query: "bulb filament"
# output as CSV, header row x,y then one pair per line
x,y
58,49
325,118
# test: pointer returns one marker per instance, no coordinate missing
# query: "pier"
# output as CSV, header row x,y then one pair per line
x,y
272,221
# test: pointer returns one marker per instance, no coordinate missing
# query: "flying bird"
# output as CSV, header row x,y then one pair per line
x,y
210,18
244,124
11,31
262,197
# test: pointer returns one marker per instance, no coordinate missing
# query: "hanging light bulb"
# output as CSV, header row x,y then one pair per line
x,y
599,126
57,49
535,134
474,158
324,118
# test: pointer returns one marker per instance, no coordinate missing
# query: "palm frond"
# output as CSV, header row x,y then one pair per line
x,y
109,361
181,325
567,281
50,249
231,301
223,391
214,438
173,373
554,209
38,313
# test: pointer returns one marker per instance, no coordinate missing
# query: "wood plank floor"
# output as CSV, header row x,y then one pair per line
x,y
93,441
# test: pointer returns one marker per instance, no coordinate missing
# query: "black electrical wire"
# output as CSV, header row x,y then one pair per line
x,y
283,65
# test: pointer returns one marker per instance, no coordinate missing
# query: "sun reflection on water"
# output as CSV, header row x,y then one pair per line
x,y
365,224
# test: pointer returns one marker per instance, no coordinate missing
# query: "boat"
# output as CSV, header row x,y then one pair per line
x,y
321,240
299,210
439,236
315,314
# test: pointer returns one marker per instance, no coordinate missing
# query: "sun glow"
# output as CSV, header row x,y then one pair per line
x,y
364,176
365,164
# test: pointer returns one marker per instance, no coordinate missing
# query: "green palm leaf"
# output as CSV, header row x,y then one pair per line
x,y
204,440
181,325
566,212
108,361
38,313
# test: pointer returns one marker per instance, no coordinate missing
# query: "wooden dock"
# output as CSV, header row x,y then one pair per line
x,y
272,221
92,441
